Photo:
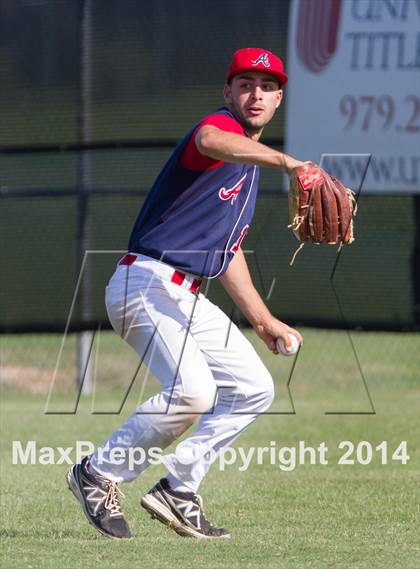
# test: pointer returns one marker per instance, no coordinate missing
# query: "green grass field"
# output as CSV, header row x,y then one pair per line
x,y
315,516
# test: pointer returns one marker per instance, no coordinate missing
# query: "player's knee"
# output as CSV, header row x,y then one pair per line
x,y
264,391
268,392
200,401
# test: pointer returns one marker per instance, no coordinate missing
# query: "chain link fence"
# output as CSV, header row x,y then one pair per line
x,y
94,96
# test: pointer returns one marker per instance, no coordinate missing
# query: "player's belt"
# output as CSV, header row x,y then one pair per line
x,y
184,280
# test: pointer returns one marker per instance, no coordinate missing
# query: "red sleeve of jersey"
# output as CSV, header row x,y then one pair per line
x,y
192,159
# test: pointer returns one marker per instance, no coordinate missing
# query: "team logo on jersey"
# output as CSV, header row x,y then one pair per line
x,y
238,242
232,193
263,58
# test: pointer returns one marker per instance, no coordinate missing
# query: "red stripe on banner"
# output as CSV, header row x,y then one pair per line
x,y
334,25
317,32
178,277
311,35
322,43
318,27
313,31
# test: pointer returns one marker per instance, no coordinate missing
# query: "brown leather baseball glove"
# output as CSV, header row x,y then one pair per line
x,y
321,209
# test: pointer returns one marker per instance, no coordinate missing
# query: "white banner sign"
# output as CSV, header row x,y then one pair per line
x,y
354,90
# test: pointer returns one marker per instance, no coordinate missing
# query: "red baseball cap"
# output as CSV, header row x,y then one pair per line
x,y
257,59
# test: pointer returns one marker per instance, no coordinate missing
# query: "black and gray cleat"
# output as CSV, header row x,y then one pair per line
x,y
99,498
182,511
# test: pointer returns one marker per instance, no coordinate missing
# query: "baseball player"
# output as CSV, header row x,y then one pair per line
x,y
191,227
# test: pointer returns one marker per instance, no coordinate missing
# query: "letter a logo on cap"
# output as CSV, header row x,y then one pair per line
x,y
263,58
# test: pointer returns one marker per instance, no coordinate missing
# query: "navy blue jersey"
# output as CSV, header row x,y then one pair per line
x,y
195,221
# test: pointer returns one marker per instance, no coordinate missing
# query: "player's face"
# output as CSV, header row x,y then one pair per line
x,y
254,98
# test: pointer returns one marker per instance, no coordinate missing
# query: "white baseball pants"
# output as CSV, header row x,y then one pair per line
x,y
208,370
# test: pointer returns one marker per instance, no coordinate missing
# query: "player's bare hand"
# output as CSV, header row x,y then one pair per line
x,y
273,329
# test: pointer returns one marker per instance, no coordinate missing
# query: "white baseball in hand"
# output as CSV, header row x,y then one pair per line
x,y
293,348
